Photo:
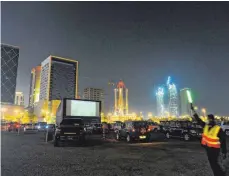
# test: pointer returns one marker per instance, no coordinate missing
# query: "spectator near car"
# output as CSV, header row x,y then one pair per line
x,y
181,129
134,130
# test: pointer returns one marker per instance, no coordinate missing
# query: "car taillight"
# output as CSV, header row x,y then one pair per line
x,y
133,130
148,129
17,126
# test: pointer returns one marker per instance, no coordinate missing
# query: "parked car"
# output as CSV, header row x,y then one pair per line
x,y
164,126
117,126
133,130
41,126
97,128
181,129
153,127
29,128
225,127
13,126
70,129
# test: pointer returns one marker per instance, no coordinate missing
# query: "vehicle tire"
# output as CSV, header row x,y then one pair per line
x,y
128,138
117,137
186,137
227,132
167,135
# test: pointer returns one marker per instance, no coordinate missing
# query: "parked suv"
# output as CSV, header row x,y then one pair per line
x,y
133,130
70,129
181,129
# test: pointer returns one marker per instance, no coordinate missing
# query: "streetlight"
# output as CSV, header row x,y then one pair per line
x,y
195,108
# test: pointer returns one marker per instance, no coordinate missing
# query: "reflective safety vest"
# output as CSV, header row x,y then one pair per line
x,y
210,137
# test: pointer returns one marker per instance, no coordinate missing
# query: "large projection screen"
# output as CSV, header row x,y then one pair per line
x,y
82,108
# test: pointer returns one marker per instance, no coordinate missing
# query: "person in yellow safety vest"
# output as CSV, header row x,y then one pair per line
x,y
213,139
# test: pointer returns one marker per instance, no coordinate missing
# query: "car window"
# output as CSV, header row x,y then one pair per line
x,y
71,121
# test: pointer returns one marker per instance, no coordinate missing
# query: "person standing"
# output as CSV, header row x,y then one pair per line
x,y
213,139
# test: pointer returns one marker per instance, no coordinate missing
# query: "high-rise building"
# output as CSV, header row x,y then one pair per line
x,y
94,94
173,98
59,78
160,102
19,99
9,65
121,99
35,82
184,103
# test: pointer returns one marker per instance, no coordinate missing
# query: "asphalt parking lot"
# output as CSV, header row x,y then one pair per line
x,y
29,154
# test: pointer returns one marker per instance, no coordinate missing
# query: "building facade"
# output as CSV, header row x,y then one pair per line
x,y
19,99
121,106
35,81
9,66
185,108
59,78
94,94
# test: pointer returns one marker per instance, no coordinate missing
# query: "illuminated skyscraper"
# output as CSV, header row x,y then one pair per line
x,y
173,98
35,82
59,78
121,99
9,66
160,102
184,103
19,99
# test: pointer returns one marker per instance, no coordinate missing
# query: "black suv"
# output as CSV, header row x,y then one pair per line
x,y
181,129
133,130
69,130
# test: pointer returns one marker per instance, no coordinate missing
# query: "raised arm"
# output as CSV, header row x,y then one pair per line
x,y
197,118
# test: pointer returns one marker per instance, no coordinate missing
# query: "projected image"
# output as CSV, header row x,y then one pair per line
x,y
82,108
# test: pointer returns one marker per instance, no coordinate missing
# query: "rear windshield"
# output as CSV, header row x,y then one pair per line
x,y
140,124
71,121
42,123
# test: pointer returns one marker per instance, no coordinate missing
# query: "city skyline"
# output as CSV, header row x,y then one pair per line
x,y
141,43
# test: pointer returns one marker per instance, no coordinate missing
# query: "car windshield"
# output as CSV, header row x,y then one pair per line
x,y
140,124
71,121
42,123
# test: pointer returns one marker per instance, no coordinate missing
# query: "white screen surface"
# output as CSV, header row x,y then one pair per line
x,y
82,108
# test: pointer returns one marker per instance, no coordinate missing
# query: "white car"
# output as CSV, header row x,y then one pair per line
x,y
225,127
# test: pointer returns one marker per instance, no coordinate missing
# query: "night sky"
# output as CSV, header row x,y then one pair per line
x,y
141,43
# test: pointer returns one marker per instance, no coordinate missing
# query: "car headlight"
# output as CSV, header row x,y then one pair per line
x,y
39,127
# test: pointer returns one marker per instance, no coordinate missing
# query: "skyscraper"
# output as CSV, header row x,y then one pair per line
x,y
94,94
19,99
9,65
160,102
184,103
35,82
173,98
121,99
59,78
